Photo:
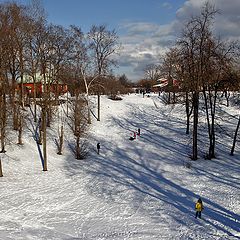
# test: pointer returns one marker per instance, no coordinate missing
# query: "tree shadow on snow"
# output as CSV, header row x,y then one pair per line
x,y
115,179
122,173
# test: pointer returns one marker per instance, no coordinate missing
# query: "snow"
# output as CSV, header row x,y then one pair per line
x,y
139,189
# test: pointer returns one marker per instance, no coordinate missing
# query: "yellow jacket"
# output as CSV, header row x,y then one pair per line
x,y
199,206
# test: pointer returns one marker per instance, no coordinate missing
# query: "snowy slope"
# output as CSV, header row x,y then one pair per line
x,y
137,189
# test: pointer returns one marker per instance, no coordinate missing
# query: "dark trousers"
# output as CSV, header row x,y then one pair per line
x,y
198,214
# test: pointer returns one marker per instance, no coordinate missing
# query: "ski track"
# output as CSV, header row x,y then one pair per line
x,y
133,190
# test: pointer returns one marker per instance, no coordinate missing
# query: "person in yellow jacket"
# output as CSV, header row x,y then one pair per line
x,y
199,207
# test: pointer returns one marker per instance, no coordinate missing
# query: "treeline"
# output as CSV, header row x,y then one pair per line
x,y
31,48
206,69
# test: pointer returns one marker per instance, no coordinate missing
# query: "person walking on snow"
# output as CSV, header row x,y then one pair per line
x,y
199,207
138,133
98,147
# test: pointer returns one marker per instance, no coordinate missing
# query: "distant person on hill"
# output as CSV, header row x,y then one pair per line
x,y
199,207
133,137
98,147
138,133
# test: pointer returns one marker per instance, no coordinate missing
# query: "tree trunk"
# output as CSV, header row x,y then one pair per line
x,y
188,124
227,96
60,141
22,93
15,116
40,137
211,152
34,99
78,150
210,120
67,103
44,119
44,125
235,137
87,96
188,113
1,173
20,128
3,139
89,112
48,105
98,107
195,125
3,122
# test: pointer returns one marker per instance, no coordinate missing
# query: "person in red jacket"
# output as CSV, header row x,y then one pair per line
x,y
199,207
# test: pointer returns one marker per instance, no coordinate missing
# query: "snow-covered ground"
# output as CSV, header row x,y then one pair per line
x,y
139,189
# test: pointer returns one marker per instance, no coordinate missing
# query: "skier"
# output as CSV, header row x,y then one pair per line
x,y
98,148
199,207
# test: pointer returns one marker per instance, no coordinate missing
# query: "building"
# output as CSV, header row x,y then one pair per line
x,y
28,87
165,84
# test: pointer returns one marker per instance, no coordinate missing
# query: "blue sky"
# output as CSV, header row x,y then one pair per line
x,y
146,28
111,12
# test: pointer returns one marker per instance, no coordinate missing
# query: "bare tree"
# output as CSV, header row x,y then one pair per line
x,y
78,124
44,55
11,16
103,44
205,62
219,64
43,52
82,64
193,47
34,42
93,56
171,70
152,72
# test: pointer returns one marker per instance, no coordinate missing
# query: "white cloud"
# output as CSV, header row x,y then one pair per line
x,y
189,8
167,5
139,27
143,42
142,45
227,22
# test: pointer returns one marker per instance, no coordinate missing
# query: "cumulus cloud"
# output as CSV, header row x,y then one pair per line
x,y
227,20
189,8
144,42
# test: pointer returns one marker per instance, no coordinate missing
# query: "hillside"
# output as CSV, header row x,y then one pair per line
x,y
137,189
